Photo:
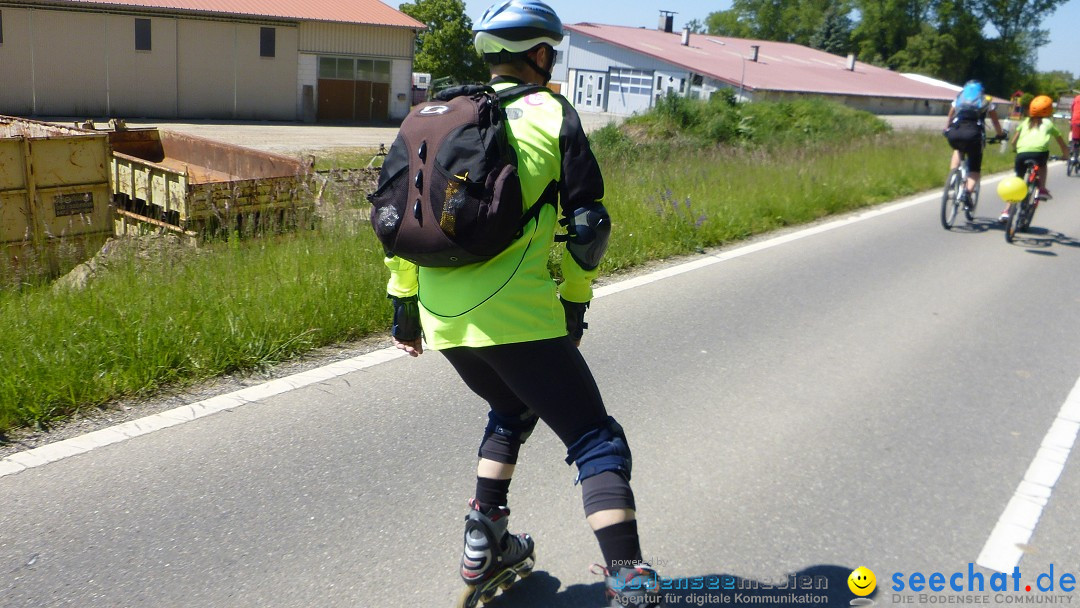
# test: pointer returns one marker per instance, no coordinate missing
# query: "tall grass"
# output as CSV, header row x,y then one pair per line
x,y
675,199
173,315
158,316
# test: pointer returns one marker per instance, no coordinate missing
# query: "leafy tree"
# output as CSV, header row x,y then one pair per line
x,y
728,23
1015,18
927,52
445,48
696,26
886,25
782,20
1055,84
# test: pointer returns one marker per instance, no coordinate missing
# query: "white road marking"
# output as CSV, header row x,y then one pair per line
x,y
59,450
1005,547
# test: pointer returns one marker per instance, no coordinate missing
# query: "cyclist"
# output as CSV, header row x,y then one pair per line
x,y
966,131
1032,142
511,333
1074,123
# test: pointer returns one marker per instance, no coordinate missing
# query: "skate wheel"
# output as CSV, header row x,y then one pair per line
x,y
468,598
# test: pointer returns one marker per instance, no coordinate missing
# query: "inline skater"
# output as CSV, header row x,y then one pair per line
x,y
512,333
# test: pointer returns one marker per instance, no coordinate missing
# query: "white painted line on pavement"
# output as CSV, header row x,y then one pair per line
x,y
36,457
52,452
1005,547
738,252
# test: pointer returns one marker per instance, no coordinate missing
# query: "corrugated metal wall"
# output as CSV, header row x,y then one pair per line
x,y
344,39
84,64
591,54
141,83
16,56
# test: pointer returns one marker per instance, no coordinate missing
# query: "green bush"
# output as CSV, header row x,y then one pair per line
x,y
723,120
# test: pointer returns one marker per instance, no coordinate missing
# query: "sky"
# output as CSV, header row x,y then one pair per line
x,y
1062,53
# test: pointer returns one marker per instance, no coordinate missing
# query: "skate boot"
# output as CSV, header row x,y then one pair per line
x,y
637,586
493,558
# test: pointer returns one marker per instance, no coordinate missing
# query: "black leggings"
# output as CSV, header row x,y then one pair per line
x,y
1040,159
548,378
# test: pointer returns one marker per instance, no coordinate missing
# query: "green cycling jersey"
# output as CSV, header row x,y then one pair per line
x,y
512,297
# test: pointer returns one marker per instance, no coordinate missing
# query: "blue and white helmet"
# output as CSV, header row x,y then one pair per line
x,y
516,26
972,93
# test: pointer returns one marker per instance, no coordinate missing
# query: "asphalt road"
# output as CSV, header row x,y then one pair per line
x,y
869,392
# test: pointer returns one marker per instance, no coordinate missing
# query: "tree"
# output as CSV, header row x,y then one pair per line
x,y
886,25
445,49
696,26
795,21
927,52
834,34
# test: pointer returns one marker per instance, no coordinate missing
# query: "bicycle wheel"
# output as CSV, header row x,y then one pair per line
x,y
950,200
969,211
1027,213
1012,222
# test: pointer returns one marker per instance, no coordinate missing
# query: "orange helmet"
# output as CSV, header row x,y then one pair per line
x,y
1041,107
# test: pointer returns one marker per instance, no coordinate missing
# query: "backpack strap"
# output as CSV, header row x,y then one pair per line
x,y
549,196
508,95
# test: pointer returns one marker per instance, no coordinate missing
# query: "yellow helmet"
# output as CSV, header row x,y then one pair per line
x,y
1012,189
1041,107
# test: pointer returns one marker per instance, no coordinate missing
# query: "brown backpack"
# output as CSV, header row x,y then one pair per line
x,y
448,192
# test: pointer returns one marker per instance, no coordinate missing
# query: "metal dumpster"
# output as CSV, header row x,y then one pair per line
x,y
54,197
199,186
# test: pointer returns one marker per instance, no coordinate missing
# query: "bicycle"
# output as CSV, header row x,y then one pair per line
x,y
954,186
1021,212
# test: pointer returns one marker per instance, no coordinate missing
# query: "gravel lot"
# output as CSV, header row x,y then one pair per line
x,y
293,138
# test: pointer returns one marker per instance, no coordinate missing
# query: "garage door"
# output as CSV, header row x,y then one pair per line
x,y
353,89
629,90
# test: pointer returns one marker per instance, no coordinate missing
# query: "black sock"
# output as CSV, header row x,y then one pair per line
x,y
492,492
620,544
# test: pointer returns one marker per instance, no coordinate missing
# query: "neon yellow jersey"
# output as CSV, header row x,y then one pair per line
x,y
1036,139
512,297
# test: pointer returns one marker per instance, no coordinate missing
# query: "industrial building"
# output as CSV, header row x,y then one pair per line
x,y
622,70
308,60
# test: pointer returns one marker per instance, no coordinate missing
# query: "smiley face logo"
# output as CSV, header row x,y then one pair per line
x,y
862,581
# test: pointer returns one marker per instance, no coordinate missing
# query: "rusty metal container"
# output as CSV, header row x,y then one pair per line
x,y
54,196
196,186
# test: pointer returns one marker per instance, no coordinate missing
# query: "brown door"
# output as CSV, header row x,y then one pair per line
x,y
362,105
335,100
380,100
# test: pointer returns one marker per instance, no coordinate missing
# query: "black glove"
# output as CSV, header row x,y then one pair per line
x,y
575,318
406,318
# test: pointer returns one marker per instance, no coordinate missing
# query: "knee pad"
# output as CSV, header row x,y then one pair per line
x,y
504,436
601,449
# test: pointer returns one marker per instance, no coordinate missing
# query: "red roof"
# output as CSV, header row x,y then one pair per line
x,y
367,12
781,66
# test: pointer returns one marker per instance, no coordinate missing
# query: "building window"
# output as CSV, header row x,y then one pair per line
x,y
344,68
267,38
142,34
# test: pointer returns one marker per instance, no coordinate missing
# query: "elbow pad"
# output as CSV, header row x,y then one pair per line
x,y
588,232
